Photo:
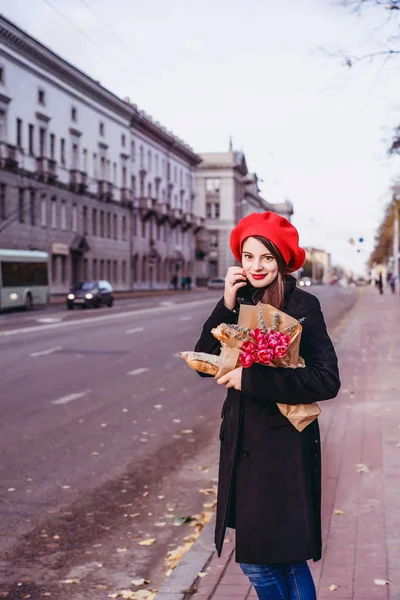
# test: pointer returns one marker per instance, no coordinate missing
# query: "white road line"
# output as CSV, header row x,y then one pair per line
x,y
44,352
48,320
96,320
138,371
135,330
187,318
71,397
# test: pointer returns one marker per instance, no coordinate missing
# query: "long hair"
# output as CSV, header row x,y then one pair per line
x,y
274,293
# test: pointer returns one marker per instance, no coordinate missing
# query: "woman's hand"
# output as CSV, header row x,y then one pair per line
x,y
235,279
232,379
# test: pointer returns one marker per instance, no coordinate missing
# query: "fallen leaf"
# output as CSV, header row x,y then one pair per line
x,y
210,504
187,431
145,494
122,549
176,420
134,515
11,490
160,524
95,453
160,497
73,580
148,542
338,512
361,468
381,582
333,588
66,487
140,581
180,520
201,574
207,491
158,406
56,537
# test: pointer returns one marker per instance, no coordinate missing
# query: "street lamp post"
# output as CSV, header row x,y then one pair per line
x,y
396,244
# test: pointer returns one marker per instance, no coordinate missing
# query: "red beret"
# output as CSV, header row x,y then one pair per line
x,y
275,228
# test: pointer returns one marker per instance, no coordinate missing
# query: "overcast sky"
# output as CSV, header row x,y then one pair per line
x,y
314,131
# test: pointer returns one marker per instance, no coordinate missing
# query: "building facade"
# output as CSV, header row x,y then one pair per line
x,y
225,193
87,177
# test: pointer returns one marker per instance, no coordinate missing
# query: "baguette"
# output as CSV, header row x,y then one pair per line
x,y
224,333
202,362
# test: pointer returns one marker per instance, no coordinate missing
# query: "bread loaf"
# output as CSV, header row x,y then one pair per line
x,y
202,362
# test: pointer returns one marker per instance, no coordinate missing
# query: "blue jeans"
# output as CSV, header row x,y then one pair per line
x,y
287,581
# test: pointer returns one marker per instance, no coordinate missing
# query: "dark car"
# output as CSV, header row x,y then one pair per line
x,y
90,294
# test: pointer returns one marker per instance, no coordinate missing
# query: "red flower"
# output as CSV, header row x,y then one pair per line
x,y
249,347
280,351
246,359
265,356
256,332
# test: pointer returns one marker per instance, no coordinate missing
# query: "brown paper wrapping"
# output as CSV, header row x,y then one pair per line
x,y
300,415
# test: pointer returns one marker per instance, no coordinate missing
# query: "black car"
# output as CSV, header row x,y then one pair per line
x,y
90,294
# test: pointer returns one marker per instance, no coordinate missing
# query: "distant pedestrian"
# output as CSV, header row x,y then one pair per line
x,y
174,281
183,283
379,283
392,282
189,282
269,486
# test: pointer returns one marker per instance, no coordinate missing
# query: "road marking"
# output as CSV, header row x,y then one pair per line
x,y
48,320
96,320
138,371
167,303
187,318
135,330
44,352
71,397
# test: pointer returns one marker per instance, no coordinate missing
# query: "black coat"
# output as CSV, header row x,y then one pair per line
x,y
269,486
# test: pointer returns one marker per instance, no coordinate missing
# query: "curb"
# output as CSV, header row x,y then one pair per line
x,y
175,587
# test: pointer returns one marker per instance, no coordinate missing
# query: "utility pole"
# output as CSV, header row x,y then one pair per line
x,y
396,245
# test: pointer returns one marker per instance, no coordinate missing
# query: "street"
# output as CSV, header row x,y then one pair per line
x,y
106,438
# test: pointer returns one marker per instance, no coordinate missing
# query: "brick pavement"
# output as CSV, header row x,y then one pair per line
x,y
361,427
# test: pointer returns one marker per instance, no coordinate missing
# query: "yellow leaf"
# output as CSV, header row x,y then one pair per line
x,y
187,431
361,468
122,549
338,512
134,515
140,581
73,580
95,453
201,574
148,542
333,588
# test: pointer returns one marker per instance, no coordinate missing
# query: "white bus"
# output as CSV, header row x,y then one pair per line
x,y
24,278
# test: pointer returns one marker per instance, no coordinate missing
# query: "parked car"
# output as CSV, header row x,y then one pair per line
x,y
90,294
304,282
216,283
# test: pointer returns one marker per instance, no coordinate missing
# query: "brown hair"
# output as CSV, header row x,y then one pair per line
x,y
274,293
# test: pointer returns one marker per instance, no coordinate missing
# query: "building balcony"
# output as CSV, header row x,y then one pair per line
x,y
105,190
187,221
162,210
126,196
78,181
147,206
175,216
46,169
198,224
8,156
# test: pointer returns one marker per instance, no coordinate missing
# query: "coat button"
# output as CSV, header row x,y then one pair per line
x,y
245,453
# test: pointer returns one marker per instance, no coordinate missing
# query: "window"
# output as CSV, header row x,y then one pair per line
x,y
149,161
133,151
212,210
123,182
42,142
62,151
213,184
63,268
94,268
143,228
1,74
85,268
134,225
108,225
216,210
102,226
31,138
149,190
3,189
115,271
123,140
156,163
74,114
2,125
124,228
209,210
74,217
19,133
85,220
54,212
115,227
101,128
52,146
115,173
123,271
213,239
108,270
95,171
75,157
63,215
43,208
21,208
175,174
94,223
41,97
101,268
141,152
133,186
32,207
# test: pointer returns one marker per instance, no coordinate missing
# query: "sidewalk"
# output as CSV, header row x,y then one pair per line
x,y
360,434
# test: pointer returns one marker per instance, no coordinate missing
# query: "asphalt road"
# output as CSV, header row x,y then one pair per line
x,y
106,437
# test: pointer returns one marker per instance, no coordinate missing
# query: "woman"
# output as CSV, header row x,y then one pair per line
x,y
269,486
